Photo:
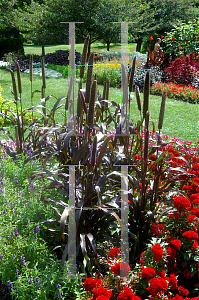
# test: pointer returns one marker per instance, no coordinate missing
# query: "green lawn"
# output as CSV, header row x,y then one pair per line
x,y
95,47
181,118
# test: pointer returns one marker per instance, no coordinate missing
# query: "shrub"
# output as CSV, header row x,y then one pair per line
x,y
107,70
183,70
155,76
117,55
61,57
11,45
61,69
183,38
186,93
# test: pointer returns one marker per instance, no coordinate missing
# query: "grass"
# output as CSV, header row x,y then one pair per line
x,y
95,47
181,118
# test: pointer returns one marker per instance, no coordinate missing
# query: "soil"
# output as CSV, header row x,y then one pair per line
x,y
5,292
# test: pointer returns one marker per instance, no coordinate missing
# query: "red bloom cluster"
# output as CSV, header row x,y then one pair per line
x,y
175,243
101,291
177,297
190,235
90,283
176,91
195,246
173,281
102,298
157,228
148,272
171,252
157,286
182,291
181,203
186,273
127,294
113,252
121,266
157,252
161,273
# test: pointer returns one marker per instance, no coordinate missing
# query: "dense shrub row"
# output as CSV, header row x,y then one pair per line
x,y
11,45
60,57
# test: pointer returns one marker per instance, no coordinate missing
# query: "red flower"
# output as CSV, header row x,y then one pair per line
x,y
173,39
123,266
182,291
191,235
156,228
181,203
157,252
195,246
177,297
157,286
186,273
151,38
127,295
195,211
89,284
101,291
161,273
102,298
176,244
137,156
173,281
113,252
171,252
191,218
148,272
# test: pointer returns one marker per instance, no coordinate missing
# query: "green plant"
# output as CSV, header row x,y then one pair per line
x,y
183,38
26,262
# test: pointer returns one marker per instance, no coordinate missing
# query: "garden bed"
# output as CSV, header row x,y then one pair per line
x,y
40,172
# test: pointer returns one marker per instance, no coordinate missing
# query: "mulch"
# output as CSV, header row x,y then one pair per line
x,y
5,292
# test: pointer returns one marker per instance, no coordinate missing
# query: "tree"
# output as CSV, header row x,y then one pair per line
x,y
6,14
159,17
29,20
108,15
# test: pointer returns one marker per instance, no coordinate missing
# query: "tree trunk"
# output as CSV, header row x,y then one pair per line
x,y
139,44
89,46
108,45
43,49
